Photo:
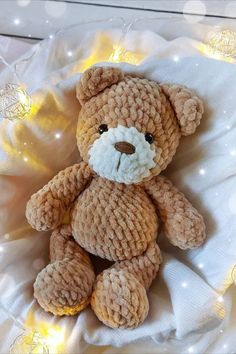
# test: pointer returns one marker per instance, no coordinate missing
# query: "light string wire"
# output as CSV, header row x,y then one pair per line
x,y
13,69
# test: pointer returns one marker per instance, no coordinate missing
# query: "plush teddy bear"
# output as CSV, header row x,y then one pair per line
x,y
128,131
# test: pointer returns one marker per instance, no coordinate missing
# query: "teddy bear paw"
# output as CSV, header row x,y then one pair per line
x,y
64,287
119,300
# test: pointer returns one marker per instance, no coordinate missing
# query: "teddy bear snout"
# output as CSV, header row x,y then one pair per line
x,y
124,147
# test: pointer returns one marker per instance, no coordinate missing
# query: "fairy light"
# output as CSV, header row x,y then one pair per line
x,y
220,44
45,339
15,102
223,41
41,339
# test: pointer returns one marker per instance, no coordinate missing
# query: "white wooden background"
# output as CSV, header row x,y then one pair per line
x,y
37,19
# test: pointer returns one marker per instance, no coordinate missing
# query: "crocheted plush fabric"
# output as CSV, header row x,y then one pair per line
x,y
128,131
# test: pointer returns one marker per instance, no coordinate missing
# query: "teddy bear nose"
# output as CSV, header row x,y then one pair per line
x,y
125,147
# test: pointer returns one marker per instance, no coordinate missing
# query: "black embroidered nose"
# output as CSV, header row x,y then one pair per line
x,y
125,147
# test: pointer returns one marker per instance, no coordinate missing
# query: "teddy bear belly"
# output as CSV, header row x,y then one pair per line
x,y
114,221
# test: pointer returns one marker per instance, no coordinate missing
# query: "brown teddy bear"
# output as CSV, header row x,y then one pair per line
x,y
128,131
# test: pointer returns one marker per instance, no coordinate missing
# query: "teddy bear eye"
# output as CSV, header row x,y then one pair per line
x,y
149,138
103,128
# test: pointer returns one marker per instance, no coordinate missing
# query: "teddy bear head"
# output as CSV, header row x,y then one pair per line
x,y
129,127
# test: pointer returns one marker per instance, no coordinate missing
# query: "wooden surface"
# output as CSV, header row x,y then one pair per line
x,y
38,19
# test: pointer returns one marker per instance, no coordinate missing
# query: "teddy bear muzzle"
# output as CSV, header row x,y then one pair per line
x,y
125,148
122,154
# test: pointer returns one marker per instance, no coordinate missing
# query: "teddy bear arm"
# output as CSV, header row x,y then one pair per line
x,y
46,208
183,225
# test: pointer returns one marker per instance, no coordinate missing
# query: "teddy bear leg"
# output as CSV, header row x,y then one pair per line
x,y
119,298
64,287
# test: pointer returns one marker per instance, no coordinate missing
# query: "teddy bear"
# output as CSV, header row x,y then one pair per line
x,y
112,202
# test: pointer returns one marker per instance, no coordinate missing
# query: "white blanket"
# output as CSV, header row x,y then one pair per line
x,y
186,299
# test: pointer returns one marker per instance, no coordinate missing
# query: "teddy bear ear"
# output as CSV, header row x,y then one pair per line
x,y
95,80
187,106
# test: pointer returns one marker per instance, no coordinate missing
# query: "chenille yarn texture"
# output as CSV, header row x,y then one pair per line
x,y
128,131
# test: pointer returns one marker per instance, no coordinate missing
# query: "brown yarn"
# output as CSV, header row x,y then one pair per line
x,y
96,80
184,226
116,221
119,300
64,287
188,107
46,208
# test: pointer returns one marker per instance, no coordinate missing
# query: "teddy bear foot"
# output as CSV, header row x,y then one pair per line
x,y
64,287
119,300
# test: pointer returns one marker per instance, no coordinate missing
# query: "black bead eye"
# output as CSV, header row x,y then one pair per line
x,y
103,128
149,138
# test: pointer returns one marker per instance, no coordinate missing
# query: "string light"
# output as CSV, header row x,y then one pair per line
x,y
15,102
45,339
29,343
223,41
35,342
220,44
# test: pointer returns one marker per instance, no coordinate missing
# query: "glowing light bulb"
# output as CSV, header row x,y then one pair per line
x,y
15,102
223,41
220,44
46,340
